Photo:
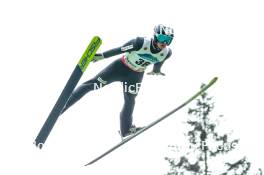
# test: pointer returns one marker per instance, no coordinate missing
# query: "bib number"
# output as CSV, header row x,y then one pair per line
x,y
142,62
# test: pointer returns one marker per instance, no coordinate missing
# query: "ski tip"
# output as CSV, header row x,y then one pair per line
x,y
213,80
97,38
88,164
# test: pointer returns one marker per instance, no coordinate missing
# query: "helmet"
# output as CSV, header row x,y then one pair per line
x,y
163,34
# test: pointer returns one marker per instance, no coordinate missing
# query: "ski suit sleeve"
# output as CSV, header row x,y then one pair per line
x,y
157,66
132,45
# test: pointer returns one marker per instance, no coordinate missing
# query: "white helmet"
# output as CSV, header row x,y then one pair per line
x,y
163,34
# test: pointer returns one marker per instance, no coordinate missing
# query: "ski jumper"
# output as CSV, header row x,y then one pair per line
x,y
129,69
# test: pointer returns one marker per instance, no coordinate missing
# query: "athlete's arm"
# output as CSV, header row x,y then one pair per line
x,y
157,66
132,45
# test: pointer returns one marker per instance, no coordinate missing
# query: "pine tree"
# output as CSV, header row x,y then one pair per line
x,y
259,172
205,143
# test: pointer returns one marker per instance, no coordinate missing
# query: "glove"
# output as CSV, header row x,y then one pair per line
x,y
156,73
97,57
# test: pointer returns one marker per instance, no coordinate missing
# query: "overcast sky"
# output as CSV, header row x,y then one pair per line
x,y
42,41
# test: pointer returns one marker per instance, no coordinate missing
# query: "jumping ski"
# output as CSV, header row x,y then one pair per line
x,y
68,89
202,90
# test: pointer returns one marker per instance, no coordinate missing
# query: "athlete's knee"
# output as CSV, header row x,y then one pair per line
x,y
132,89
99,83
130,98
94,84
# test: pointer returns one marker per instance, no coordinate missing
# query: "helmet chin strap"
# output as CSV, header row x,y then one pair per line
x,y
154,45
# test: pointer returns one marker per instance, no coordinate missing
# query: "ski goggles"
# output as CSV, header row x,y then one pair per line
x,y
164,39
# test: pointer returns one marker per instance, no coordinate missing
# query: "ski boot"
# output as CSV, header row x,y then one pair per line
x,y
133,130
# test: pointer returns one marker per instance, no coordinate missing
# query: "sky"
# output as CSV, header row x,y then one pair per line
x,y
42,41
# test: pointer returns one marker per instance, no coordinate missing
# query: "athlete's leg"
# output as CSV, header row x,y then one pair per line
x,y
130,89
105,77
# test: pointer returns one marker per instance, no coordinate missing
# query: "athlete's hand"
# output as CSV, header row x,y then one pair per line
x,y
156,73
98,57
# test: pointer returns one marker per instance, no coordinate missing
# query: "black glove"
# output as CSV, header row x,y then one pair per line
x,y
98,57
155,73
